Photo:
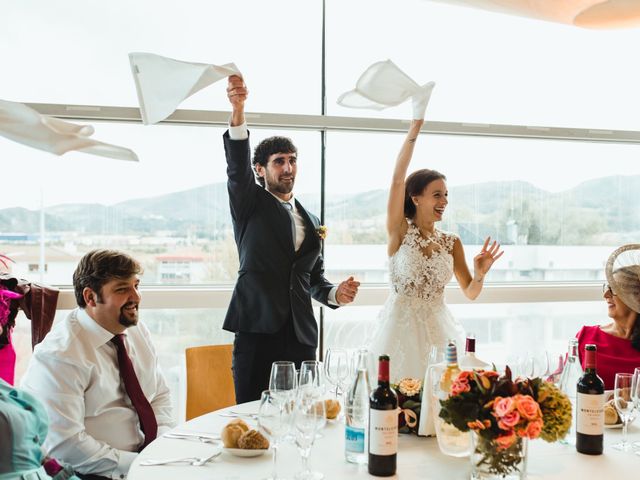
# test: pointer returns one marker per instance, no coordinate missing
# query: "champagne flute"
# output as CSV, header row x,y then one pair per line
x,y
623,402
274,420
309,417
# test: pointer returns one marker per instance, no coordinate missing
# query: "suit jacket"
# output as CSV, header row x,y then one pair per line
x,y
275,283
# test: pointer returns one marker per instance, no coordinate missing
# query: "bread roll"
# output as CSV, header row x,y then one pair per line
x,y
253,440
232,432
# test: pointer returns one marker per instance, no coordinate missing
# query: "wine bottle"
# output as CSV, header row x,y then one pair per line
x,y
357,413
383,424
590,407
451,441
470,361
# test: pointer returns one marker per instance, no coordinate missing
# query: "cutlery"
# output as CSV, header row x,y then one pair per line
x,y
201,438
195,461
252,416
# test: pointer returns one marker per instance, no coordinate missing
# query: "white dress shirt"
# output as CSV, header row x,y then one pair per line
x,y
75,373
241,132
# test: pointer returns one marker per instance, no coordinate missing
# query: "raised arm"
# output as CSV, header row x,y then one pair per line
x,y
237,93
396,223
482,263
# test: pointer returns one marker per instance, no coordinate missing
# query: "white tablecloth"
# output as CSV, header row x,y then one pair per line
x,y
418,458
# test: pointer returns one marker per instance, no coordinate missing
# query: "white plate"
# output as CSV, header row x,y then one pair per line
x,y
615,425
246,452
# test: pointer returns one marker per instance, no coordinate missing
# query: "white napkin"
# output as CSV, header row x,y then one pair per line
x,y
23,124
163,83
384,85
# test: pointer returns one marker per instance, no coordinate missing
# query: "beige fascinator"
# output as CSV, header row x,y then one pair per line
x,y
623,274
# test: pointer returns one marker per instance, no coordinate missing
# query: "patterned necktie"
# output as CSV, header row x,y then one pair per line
x,y
147,418
289,208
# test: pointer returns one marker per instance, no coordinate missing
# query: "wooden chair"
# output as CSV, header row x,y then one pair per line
x,y
209,379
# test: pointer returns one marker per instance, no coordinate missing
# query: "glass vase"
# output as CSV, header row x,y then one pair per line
x,y
488,462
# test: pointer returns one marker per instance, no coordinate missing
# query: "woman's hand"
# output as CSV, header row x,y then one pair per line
x,y
483,262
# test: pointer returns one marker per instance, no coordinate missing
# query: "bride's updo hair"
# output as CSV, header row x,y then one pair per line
x,y
415,185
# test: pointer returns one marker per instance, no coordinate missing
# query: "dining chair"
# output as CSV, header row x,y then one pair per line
x,y
209,379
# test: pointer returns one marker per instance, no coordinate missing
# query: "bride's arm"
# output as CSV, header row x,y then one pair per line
x,y
396,223
482,263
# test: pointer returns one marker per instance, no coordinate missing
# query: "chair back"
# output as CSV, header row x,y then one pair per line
x,y
209,379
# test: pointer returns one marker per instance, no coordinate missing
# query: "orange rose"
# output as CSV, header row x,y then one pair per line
x,y
528,407
476,425
509,421
506,440
459,387
534,428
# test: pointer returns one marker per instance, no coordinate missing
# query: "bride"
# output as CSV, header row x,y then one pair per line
x,y
422,260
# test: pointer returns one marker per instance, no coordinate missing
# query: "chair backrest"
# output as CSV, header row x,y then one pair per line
x,y
209,379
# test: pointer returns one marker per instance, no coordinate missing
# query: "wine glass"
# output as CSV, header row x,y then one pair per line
x,y
274,420
635,395
311,375
336,367
282,381
623,401
309,417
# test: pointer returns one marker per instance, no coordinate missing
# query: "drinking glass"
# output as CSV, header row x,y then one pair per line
x,y
309,417
635,395
282,381
274,420
623,401
336,365
311,375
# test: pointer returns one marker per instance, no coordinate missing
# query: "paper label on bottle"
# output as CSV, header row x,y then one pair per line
x,y
354,439
590,414
383,432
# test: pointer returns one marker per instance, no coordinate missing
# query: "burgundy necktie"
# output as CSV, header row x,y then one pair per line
x,y
145,413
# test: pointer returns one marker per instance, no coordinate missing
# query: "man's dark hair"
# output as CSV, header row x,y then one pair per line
x,y
268,147
415,185
98,267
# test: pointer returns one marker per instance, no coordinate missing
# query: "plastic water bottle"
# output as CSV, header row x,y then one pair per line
x,y
357,413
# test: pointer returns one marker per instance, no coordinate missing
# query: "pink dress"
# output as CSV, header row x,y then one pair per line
x,y
615,354
8,361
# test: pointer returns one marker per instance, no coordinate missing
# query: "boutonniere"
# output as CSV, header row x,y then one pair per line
x,y
322,232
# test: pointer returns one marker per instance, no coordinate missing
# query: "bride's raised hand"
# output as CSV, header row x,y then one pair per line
x,y
483,262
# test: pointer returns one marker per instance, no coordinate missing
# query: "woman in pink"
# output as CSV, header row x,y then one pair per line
x,y
618,342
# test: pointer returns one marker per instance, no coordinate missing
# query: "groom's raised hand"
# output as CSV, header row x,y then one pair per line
x,y
237,93
347,291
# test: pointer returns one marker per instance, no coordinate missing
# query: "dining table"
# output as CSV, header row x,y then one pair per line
x,y
418,457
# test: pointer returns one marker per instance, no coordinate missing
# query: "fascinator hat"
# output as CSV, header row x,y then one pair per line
x,y
623,274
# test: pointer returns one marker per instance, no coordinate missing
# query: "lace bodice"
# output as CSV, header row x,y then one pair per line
x,y
415,273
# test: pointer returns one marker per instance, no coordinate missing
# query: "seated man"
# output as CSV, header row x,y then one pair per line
x,y
97,373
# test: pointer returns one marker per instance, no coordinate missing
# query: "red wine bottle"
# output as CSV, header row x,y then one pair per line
x,y
383,424
590,407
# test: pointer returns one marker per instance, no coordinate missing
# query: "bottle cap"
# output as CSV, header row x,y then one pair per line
x,y
452,352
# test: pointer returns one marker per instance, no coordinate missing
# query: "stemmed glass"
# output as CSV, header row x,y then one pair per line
x,y
283,381
336,367
635,396
309,417
274,420
311,382
623,401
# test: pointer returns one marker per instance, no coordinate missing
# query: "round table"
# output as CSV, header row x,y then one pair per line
x,y
418,457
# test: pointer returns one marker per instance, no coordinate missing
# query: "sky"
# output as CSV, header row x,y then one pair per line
x,y
488,68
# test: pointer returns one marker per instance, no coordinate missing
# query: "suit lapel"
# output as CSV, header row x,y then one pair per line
x,y
311,239
282,223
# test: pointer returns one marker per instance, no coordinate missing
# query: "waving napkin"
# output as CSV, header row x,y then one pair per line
x,y
384,85
23,124
163,83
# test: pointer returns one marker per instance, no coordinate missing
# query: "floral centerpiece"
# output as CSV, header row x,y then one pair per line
x,y
503,414
409,392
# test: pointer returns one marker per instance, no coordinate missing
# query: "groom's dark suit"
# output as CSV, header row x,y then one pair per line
x,y
270,309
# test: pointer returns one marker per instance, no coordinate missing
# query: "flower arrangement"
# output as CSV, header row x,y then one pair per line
x,y
409,392
322,232
502,413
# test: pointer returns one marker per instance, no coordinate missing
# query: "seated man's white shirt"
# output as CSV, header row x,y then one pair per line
x,y
241,132
75,373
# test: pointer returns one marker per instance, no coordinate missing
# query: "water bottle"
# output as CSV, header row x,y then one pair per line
x,y
357,413
571,373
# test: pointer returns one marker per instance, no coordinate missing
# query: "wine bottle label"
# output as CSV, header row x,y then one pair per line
x,y
590,414
354,439
383,432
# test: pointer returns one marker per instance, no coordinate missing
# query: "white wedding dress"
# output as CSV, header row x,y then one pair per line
x,y
415,316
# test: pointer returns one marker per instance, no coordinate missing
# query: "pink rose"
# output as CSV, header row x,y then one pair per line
x,y
503,406
534,428
459,387
506,440
509,421
528,407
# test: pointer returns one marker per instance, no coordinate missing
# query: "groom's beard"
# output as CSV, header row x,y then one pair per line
x,y
129,316
282,184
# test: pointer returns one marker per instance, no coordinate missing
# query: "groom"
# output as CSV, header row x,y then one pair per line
x,y
281,265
